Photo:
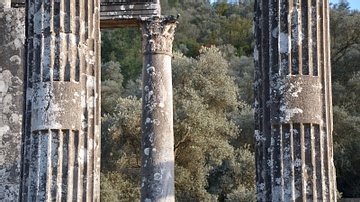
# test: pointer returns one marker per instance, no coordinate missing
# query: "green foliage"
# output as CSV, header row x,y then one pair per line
x,y
213,99
345,40
221,8
238,32
123,46
346,95
242,68
111,85
242,194
203,24
246,136
121,135
120,152
233,180
204,98
115,187
207,107
347,152
245,176
345,44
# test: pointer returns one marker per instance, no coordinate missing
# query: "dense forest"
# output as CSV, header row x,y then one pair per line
x,y
213,103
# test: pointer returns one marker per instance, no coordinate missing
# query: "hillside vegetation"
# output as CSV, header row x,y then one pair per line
x,y
213,103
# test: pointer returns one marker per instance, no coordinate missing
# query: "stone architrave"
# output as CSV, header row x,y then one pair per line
x,y
293,109
12,39
62,114
157,116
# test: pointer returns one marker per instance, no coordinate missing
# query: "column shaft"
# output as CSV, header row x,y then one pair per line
x,y
62,137
293,109
5,4
157,117
12,39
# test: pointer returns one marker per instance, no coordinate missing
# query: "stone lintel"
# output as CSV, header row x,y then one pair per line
x,y
126,14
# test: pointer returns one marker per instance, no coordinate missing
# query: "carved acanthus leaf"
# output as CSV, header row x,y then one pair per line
x,y
158,34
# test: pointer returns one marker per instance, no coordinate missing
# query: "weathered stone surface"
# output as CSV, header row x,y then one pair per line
x,y
12,38
296,99
48,104
293,109
62,114
157,118
5,4
125,13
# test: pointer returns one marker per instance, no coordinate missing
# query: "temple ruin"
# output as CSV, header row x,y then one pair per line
x,y
50,99
50,94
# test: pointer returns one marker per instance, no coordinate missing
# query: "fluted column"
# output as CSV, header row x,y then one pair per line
x,y
157,117
293,109
12,62
62,137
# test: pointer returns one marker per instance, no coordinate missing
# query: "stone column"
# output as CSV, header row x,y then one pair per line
x,y
12,39
157,118
293,109
62,124
5,4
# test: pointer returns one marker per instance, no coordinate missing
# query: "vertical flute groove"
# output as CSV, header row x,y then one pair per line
x,y
62,101
293,116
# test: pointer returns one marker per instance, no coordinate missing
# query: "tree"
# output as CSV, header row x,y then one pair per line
x,y
347,152
203,24
213,103
206,108
111,85
205,98
345,36
345,45
124,46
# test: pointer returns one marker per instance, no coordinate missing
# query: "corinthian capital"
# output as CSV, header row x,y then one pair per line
x,y
158,34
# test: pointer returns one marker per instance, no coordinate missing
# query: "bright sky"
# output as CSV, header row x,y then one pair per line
x,y
354,4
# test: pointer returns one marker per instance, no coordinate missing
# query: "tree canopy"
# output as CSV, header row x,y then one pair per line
x,y
213,102
206,122
345,53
